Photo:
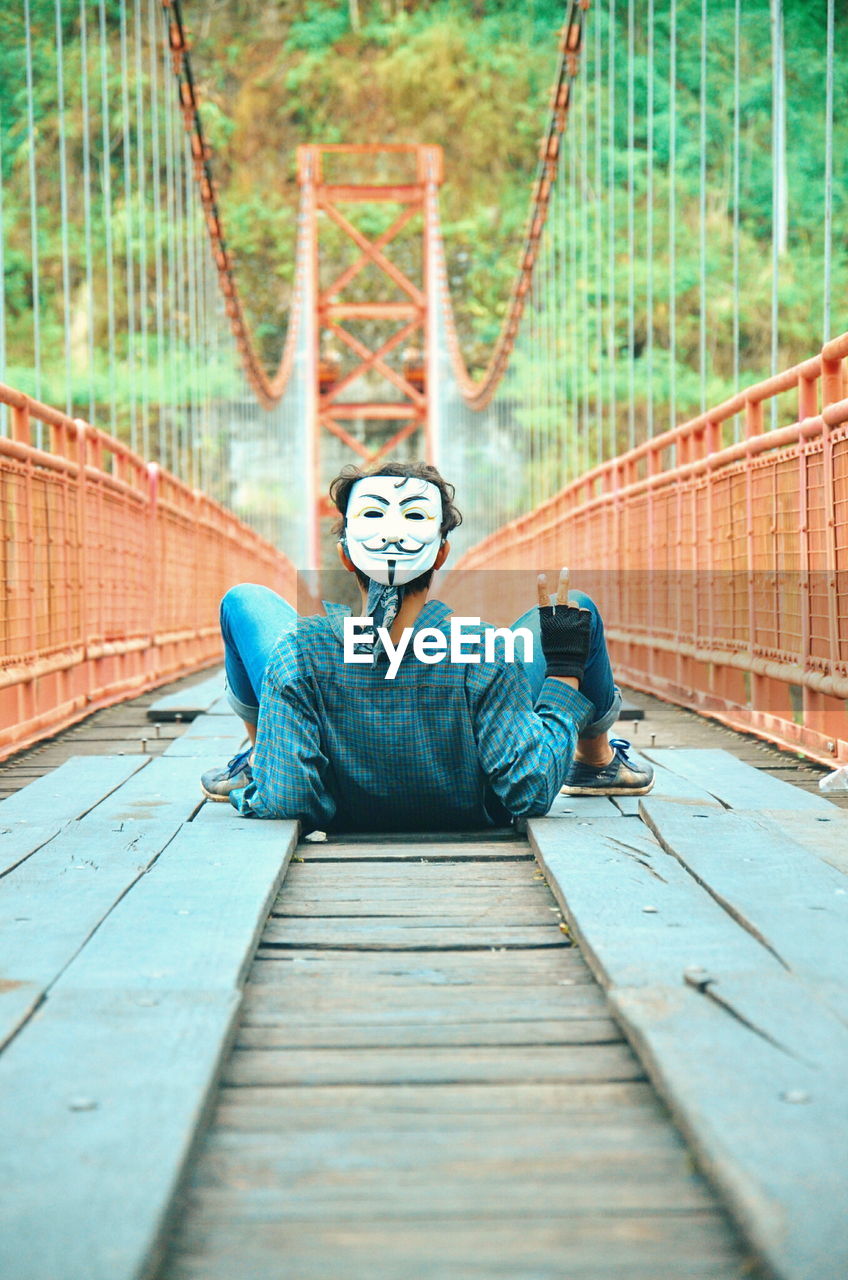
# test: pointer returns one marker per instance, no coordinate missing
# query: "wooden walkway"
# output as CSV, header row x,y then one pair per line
x,y
415,1074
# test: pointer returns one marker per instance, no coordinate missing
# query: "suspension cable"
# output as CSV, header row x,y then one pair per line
x,y
4,409
153,12
737,77
611,234
828,171
672,213
106,189
128,230
702,215
33,216
63,204
86,198
649,229
631,227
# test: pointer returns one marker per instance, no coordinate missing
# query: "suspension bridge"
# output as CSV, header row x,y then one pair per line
x,y
613,1044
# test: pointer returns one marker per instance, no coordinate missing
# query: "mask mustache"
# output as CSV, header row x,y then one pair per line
x,y
397,544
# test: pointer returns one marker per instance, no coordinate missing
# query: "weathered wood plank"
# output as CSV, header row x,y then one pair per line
x,y
582,807
51,904
265,1110
736,784
691,1245
825,835
437,1066
282,1034
774,887
389,851
139,1021
753,1030
100,1097
18,842
186,704
66,793
771,1131
408,933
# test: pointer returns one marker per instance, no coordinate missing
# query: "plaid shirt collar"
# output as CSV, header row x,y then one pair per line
x,y
432,615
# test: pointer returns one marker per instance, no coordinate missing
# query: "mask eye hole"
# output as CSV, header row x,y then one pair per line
x,y
415,515
371,513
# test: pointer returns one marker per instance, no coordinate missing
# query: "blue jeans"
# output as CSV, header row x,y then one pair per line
x,y
253,618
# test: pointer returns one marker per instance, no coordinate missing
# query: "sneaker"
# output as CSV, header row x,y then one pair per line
x,y
621,777
216,784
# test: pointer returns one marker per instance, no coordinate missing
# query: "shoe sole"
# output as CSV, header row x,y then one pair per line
x,y
606,791
211,796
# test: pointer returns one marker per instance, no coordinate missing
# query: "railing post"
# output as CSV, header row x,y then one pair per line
x,y
153,564
831,392
20,424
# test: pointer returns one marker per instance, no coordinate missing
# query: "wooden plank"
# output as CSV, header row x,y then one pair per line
x,y
690,1245
771,1131
51,904
138,1021
18,842
582,807
220,707
824,835
281,1034
736,784
438,1066
297,1003
164,791
728,1058
334,850
407,934
796,904
185,704
100,1097
266,1110
206,727
67,792
629,711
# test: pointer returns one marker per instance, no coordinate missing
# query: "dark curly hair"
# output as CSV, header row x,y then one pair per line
x,y
348,476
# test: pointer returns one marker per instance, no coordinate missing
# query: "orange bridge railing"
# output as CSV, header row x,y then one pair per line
x,y
721,570
112,571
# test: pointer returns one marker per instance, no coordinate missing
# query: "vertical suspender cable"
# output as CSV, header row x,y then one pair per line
x,y
828,172
33,218
597,206
584,274
143,285
106,188
631,228
737,76
649,229
63,205
4,412
153,11
86,197
672,212
702,215
171,224
128,230
778,237
611,353
192,316
574,308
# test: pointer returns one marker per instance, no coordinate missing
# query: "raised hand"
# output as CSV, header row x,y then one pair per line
x,y
566,630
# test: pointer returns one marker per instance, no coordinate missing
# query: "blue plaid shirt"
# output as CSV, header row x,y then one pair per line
x,y
441,746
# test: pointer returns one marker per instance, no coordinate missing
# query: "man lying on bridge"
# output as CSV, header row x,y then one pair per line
x,y
369,726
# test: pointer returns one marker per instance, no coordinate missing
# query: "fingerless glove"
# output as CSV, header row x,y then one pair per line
x,y
566,636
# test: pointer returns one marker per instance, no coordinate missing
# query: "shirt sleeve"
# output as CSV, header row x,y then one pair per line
x,y
525,751
289,765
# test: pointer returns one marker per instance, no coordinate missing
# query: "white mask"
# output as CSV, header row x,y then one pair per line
x,y
393,527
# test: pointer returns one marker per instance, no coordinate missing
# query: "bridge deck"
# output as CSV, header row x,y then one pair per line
x,y
424,1077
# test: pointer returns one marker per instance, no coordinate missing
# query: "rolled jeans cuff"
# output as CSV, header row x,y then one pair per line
x,y
249,714
606,721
